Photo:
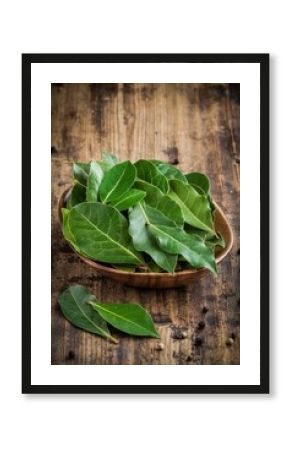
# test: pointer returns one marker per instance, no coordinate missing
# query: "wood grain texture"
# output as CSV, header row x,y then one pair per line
x,y
196,127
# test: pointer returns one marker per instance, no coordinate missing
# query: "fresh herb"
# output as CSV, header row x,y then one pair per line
x,y
93,182
129,318
199,181
100,232
74,305
84,311
146,216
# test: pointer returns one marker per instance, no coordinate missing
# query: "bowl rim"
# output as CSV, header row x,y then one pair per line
x,y
168,275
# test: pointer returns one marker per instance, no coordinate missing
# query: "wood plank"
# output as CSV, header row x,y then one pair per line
x,y
196,127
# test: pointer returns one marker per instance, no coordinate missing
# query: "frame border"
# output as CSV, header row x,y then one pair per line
x,y
263,60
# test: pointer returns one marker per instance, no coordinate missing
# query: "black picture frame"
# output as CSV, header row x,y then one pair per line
x,y
263,60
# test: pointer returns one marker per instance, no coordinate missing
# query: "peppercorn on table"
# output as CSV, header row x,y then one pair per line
x,y
196,128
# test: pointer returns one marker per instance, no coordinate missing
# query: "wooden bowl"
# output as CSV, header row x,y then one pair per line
x,y
159,280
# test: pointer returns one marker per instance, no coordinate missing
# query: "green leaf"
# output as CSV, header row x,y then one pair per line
x,y
169,208
77,195
117,181
198,232
81,172
74,305
153,194
101,233
210,241
195,207
169,171
66,230
112,160
199,181
93,183
192,248
176,241
145,242
129,318
147,171
216,241
108,161
128,199
156,199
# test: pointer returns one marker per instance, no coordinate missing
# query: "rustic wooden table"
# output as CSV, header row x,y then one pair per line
x,y
196,127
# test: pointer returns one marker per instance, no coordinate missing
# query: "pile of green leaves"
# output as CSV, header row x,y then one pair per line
x,y
142,216
82,309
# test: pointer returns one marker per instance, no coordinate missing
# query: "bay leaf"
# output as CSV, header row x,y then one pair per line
x,y
216,241
169,171
81,172
176,241
101,233
161,201
117,181
193,230
195,207
191,247
199,181
153,194
210,241
148,172
111,159
128,199
143,241
66,230
129,318
93,182
77,195
169,208
108,161
74,305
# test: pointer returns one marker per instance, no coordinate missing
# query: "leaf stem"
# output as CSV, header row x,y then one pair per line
x,y
108,336
112,339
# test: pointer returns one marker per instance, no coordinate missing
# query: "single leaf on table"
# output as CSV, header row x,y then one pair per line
x,y
199,181
74,305
195,207
144,242
129,318
117,181
81,172
94,180
161,201
77,195
169,171
147,171
128,199
101,233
